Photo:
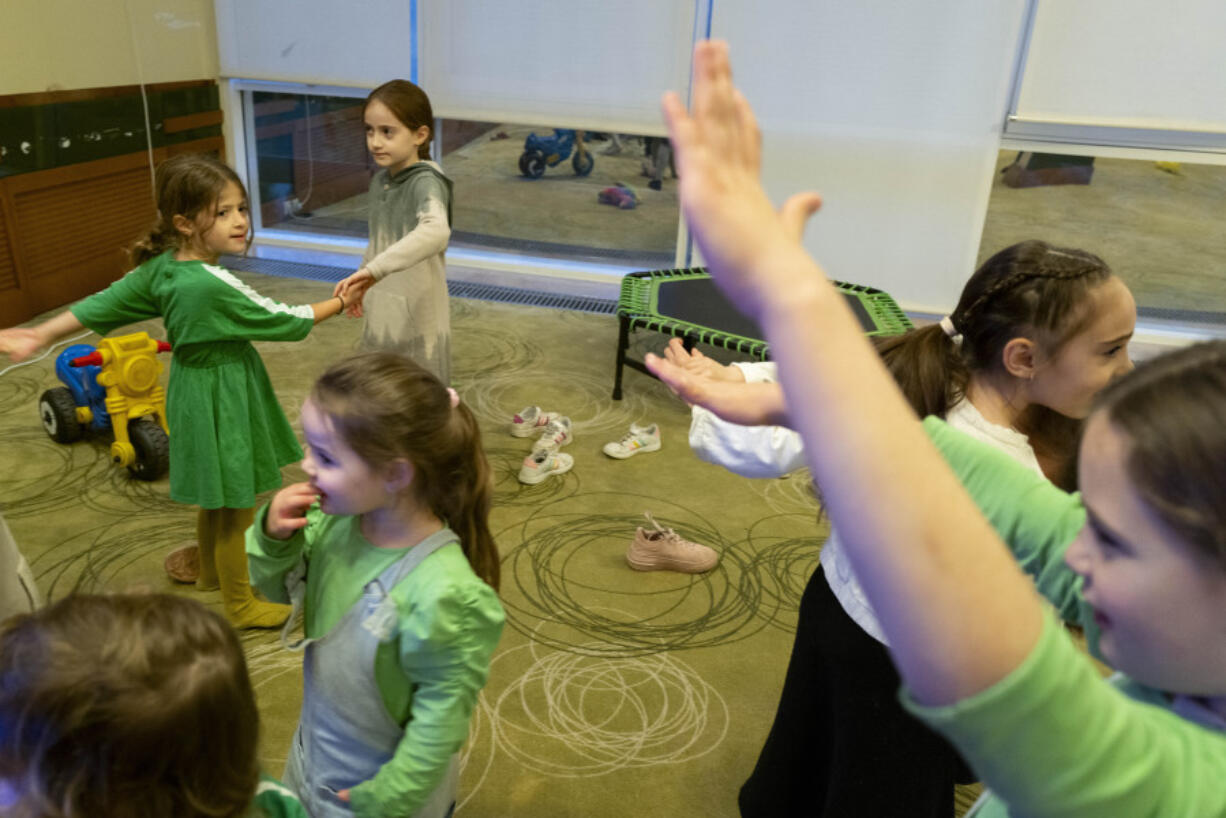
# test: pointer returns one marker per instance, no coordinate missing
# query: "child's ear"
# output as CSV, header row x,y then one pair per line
x,y
398,476
422,135
184,225
1020,358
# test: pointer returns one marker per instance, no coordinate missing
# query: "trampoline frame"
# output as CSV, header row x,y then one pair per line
x,y
636,309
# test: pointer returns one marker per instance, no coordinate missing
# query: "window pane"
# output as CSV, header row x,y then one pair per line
x,y
311,163
1157,224
529,189
534,191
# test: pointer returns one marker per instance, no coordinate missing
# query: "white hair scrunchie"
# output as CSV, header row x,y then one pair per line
x,y
454,396
947,324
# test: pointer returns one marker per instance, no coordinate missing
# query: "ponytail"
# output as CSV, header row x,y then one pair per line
x,y
160,238
386,407
928,367
464,501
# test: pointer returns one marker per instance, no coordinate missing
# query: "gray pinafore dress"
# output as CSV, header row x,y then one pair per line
x,y
345,733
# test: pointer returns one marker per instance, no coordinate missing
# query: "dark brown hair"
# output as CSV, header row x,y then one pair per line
x,y
1030,289
385,407
187,185
409,104
126,706
1172,409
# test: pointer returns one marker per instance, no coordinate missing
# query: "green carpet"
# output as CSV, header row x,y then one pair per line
x,y
613,692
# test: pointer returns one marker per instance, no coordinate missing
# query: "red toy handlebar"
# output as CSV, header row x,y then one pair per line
x,y
95,358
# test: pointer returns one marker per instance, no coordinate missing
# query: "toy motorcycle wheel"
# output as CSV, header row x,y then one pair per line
x,y
152,450
58,412
582,163
532,164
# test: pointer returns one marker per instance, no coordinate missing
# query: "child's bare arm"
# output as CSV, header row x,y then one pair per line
x,y
329,307
20,343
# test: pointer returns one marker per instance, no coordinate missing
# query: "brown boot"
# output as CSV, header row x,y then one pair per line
x,y
241,607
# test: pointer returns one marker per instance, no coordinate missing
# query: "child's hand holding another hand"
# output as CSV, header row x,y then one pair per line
x,y
287,511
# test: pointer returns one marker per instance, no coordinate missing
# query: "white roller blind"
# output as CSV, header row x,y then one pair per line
x,y
1127,63
893,111
361,44
582,63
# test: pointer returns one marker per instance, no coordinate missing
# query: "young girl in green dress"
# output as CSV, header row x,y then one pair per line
x,y
228,435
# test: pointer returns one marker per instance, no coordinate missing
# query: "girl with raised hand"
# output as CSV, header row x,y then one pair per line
x,y
1037,333
229,437
981,658
130,706
387,551
410,225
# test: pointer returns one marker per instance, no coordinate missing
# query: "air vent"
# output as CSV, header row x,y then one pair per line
x,y
458,289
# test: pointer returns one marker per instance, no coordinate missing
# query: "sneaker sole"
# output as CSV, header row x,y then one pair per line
x,y
526,431
534,479
655,565
640,450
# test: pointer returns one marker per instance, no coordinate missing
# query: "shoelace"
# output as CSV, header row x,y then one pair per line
x,y
666,533
627,438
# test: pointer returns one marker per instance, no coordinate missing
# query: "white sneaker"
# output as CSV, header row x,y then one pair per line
x,y
555,435
531,421
542,463
639,439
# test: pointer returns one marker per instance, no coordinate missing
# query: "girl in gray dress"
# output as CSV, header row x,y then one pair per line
x,y
410,225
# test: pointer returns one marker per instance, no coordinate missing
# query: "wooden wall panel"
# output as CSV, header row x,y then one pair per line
x,y
8,264
68,229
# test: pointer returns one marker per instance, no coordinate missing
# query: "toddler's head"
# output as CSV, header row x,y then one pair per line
x,y
388,410
125,706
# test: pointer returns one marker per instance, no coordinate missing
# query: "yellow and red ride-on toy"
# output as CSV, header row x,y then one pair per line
x,y
113,388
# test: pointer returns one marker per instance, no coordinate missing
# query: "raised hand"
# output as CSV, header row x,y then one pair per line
x,y
20,343
287,511
694,362
718,147
746,404
353,290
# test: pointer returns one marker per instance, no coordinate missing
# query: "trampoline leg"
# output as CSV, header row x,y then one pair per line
x,y
623,343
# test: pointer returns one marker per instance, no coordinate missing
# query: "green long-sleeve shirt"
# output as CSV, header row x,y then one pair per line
x,y
429,676
1052,739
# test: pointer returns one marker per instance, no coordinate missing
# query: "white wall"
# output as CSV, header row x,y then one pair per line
x,y
55,45
893,111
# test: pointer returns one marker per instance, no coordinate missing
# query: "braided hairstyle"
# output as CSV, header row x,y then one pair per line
x,y
1030,289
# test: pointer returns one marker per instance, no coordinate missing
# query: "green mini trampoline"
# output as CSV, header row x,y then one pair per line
x,y
688,305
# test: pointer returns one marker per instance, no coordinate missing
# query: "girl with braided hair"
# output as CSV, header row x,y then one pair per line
x,y
1038,331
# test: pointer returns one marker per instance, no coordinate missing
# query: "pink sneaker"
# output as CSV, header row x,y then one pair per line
x,y
531,421
662,549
